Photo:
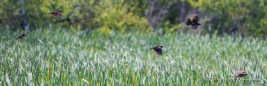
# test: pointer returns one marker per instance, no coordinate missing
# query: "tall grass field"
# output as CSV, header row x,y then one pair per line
x,y
60,57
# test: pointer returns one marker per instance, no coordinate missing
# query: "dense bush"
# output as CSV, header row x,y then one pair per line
x,y
247,17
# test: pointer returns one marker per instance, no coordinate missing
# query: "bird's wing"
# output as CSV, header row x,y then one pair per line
x,y
188,22
24,34
159,51
59,15
17,37
195,19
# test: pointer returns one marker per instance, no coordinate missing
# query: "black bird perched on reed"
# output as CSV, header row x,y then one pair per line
x,y
21,36
157,49
194,23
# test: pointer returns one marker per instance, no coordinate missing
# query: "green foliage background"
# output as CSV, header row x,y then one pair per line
x,y
106,42
77,58
246,17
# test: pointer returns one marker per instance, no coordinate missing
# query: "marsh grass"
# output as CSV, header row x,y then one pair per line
x,y
55,57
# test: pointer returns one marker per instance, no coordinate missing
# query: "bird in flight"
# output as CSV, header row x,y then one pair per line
x,y
21,36
157,49
241,73
56,13
194,22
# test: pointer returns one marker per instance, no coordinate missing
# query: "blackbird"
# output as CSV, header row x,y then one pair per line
x,y
157,49
56,13
21,36
241,73
194,23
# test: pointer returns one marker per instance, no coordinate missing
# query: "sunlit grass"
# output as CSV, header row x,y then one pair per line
x,y
67,57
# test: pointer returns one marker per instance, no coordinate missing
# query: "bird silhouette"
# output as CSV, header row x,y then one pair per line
x,y
194,22
56,13
157,49
21,36
241,73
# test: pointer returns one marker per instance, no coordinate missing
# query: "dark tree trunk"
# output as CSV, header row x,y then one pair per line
x,y
25,22
182,12
156,14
